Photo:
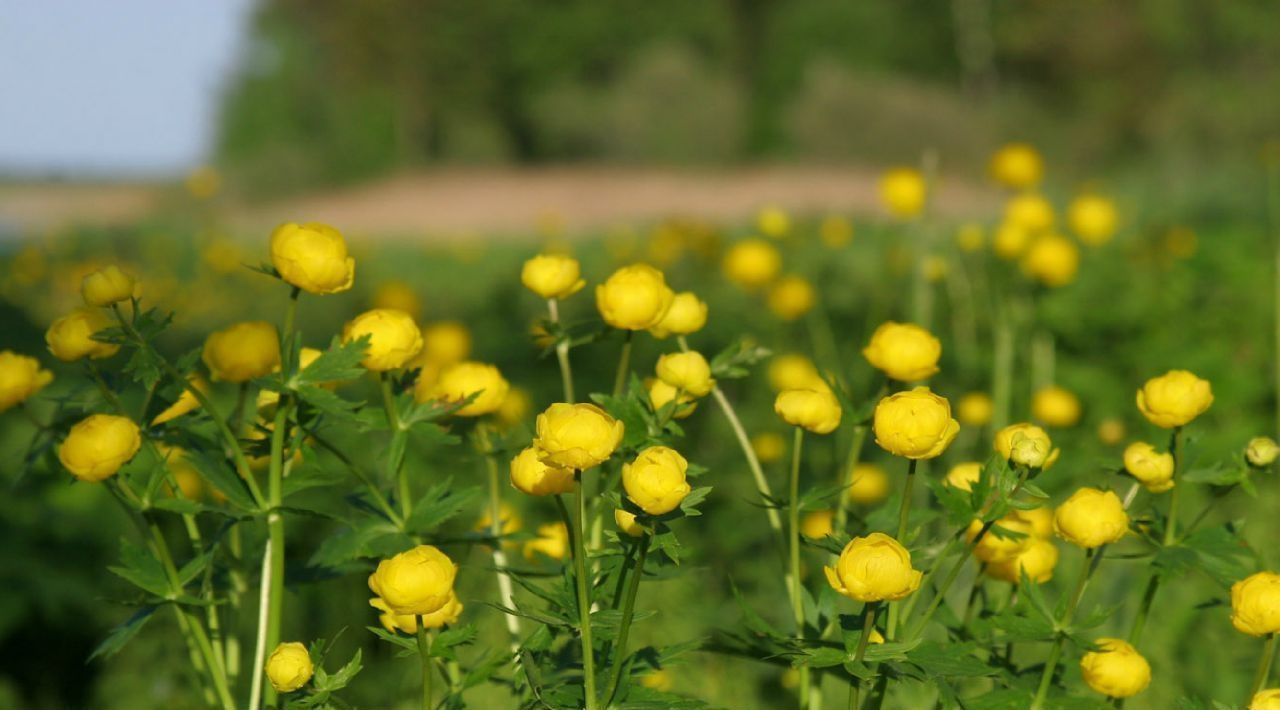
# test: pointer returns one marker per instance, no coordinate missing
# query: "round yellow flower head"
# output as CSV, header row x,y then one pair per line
x,y
635,297
769,446
915,424
627,524
530,475
1010,240
903,351
464,379
975,409
394,339
397,295
1152,468
817,411
445,342
686,371
70,337
1111,431
688,314
408,623
506,514
751,263
791,297
1268,699
870,484
659,680
1116,671
903,192
312,257
835,231
872,569
576,436
242,351
1091,518
1040,519
552,275
995,548
552,541
962,476
660,393
1031,211
1017,166
794,372
1052,260
1093,218
20,378
772,221
971,237
1255,604
289,667
655,481
186,402
106,286
1174,398
1261,451
1056,406
1037,558
1026,444
418,581
817,524
98,445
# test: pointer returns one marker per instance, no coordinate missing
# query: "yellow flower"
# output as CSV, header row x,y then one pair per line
x,y
1091,518
98,445
186,402
870,484
576,436
1116,671
769,446
20,378
399,296
1031,211
975,409
872,569
660,393
791,297
635,297
916,424
995,548
552,275
686,371
1268,699
289,667
106,286
1030,443
1010,240
687,314
1056,406
1111,431
71,337
462,380
627,524
970,237
515,406
242,351
1255,604
903,192
312,257
903,351
659,680
1017,166
1152,468
818,524
418,581
751,263
835,231
1037,559
530,475
963,475
1261,451
507,514
408,623
445,342
552,541
1174,398
817,411
794,372
394,339
772,221
1052,260
1093,218
655,481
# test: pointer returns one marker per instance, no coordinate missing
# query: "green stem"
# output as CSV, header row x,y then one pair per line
x,y
851,463
624,365
1002,366
1091,559
395,461
973,596
505,590
904,515
562,352
378,498
424,653
1140,620
1171,523
628,611
576,531
1273,212
868,625
793,545
925,581
1264,666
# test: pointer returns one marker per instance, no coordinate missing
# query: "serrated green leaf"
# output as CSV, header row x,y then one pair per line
x,y
340,361
122,634
140,568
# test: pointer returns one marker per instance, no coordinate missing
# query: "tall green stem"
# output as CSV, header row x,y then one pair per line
x,y
624,364
868,625
1264,666
395,459
562,352
793,545
424,654
1091,559
1002,368
628,611
904,516
576,530
1171,524
505,590
850,464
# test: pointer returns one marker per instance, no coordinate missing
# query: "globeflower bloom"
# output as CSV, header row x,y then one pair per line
x,y
1091,518
688,314
576,436
1174,398
870,484
242,351
70,337
627,524
445,342
418,581
872,569
1052,260
1255,604
289,667
1037,559
1116,671
635,297
655,481
996,546
552,541
818,524
1093,218
916,424
1030,211
962,476
186,402
461,380
552,276
661,393
1010,240
903,351
686,371
530,475
1152,468
817,411
794,372
1056,406
20,378
792,297
408,623
1261,451
975,409
751,263
1017,166
394,339
312,257
903,192
1026,444
98,445
772,221
1268,699
106,286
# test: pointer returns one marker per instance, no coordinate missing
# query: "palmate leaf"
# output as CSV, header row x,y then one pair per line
x,y
141,568
340,361
218,474
949,660
1221,553
630,409
440,503
735,361
123,633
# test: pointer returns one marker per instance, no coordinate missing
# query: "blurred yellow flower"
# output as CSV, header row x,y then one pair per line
x,y
903,351
466,379
794,372
791,297
903,192
70,337
971,237
772,221
835,231
1052,260
752,263
445,342
1111,431
1056,406
1031,211
243,351
1152,468
817,524
687,314
1093,218
552,541
106,286
1010,240
1017,166
398,295
769,446
975,409
963,475
869,485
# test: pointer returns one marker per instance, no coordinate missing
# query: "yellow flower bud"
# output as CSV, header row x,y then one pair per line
x,y
552,541
1091,518
1268,699
1093,218
1031,211
1174,398
70,337
916,424
1261,451
835,231
399,296
962,476
106,286
772,221
20,378
817,411
635,297
289,667
975,409
870,484
791,297
312,257
655,481
445,342
751,263
1037,558
394,339
418,581
903,351
576,436
185,404
1056,406
769,446
530,475
1017,166
1052,260
686,371
462,380
98,445
1152,468
1036,448
1111,431
971,238
408,623
660,393
874,568
817,524
242,351
903,192
794,372
1010,240
687,315
1255,604
552,276
627,524
1116,671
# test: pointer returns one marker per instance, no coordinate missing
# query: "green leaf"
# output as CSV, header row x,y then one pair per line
x,y
439,504
447,641
337,681
341,361
123,633
194,567
219,475
328,403
404,642
1222,553
735,361
141,568
954,659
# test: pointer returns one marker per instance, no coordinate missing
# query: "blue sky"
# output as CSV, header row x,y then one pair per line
x,y
111,87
